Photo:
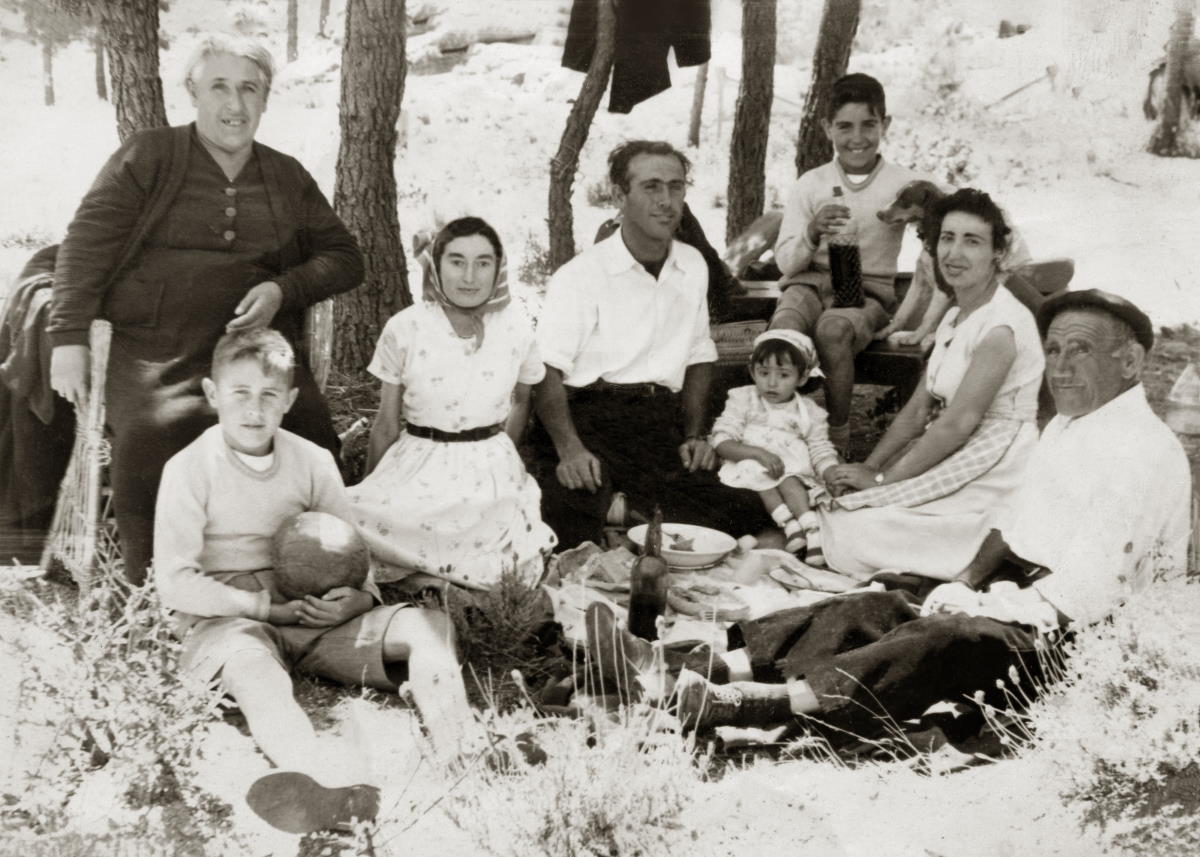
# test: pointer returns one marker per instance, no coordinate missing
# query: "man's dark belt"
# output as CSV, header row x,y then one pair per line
x,y
628,391
430,433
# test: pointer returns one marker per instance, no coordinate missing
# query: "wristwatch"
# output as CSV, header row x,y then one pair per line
x,y
879,478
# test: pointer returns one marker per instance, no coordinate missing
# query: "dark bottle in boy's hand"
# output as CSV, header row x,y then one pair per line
x,y
648,584
845,264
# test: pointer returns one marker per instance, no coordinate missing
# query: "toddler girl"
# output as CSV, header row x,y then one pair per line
x,y
775,441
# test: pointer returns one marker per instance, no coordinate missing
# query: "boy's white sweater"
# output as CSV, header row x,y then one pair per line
x,y
215,515
878,242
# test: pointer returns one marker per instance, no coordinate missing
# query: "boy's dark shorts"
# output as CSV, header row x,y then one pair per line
x,y
350,653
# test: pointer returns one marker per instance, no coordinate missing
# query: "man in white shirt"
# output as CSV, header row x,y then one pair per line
x,y
1104,512
625,336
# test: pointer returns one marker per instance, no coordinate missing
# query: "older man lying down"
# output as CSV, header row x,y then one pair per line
x,y
1104,512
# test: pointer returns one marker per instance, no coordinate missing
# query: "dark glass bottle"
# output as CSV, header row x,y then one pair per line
x,y
648,584
845,263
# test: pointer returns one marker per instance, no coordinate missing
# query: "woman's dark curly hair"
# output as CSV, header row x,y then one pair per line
x,y
969,201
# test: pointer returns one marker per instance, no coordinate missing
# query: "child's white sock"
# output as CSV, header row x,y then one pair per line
x,y
811,524
792,531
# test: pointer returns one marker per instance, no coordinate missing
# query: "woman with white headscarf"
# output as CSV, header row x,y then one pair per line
x,y
447,494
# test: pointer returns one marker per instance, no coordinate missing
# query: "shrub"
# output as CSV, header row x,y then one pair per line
x,y
104,679
1124,730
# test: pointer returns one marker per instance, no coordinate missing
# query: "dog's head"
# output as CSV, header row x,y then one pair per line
x,y
911,203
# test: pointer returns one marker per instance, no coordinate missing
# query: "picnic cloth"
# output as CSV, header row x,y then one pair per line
x,y
739,588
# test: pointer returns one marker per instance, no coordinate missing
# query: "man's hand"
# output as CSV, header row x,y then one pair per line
x,y
70,366
257,308
695,454
579,470
287,613
951,598
829,218
771,462
336,606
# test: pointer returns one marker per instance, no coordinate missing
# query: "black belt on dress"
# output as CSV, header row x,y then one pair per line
x,y
430,433
629,391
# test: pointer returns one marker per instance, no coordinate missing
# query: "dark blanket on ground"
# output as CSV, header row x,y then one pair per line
x,y
36,427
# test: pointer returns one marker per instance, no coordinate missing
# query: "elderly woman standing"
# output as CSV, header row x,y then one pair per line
x,y
188,232
922,500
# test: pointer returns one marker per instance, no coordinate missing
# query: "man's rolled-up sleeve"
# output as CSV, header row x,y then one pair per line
x,y
567,317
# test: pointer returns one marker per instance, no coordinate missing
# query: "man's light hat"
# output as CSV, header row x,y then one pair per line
x,y
801,343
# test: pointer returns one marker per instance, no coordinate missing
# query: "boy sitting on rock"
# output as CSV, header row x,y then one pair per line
x,y
221,501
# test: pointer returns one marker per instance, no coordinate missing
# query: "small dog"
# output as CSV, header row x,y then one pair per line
x,y
911,204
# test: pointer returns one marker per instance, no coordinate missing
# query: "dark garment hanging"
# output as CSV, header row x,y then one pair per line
x,y
646,31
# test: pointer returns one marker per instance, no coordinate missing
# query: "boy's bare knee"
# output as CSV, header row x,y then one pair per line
x,y
418,629
251,670
834,333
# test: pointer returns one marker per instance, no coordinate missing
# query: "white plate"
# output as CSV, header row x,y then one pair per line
x,y
709,547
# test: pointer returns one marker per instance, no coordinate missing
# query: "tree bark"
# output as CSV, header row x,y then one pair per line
x,y
1165,140
839,22
566,160
293,47
101,83
364,193
698,104
129,29
48,70
752,118
323,19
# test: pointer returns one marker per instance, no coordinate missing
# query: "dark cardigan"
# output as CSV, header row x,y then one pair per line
x,y
136,187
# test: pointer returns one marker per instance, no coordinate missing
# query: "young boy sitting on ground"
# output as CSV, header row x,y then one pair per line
x,y
856,125
221,501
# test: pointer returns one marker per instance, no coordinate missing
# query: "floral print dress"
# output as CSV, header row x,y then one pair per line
x,y
465,511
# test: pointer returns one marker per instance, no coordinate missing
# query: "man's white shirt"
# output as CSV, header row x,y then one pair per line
x,y
606,317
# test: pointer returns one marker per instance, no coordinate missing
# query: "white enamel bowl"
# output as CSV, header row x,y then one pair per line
x,y
708,547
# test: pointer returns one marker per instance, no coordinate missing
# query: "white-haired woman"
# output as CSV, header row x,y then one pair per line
x,y
187,232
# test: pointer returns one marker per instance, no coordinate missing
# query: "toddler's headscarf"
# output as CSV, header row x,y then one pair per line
x,y
431,290
802,344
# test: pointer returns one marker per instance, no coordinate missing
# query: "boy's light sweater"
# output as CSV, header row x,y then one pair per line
x,y
878,242
215,515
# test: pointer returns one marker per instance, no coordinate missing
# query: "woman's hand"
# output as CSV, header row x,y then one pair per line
x,y
852,476
70,366
885,333
257,308
771,462
335,607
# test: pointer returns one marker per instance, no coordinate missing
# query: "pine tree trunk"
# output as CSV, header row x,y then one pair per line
x,y
752,118
101,83
323,20
1165,140
566,159
129,29
364,193
48,71
839,22
698,105
293,48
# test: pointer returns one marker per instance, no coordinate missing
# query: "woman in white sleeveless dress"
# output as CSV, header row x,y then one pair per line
x,y
925,497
